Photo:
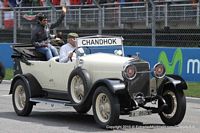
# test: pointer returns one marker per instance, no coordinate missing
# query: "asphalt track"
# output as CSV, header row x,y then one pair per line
x,y
58,119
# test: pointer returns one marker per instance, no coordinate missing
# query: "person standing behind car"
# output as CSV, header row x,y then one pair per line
x,y
66,51
41,34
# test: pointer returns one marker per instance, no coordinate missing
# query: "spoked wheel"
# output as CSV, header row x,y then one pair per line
x,y
78,89
20,98
106,107
174,113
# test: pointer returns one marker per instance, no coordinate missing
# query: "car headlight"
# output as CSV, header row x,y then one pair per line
x,y
129,72
159,70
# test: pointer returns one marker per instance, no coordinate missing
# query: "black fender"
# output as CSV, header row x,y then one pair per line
x,y
174,80
2,71
115,86
33,86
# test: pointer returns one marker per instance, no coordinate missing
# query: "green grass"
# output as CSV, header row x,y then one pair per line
x,y
192,91
9,74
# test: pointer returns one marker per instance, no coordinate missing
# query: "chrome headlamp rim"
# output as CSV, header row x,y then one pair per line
x,y
160,75
124,74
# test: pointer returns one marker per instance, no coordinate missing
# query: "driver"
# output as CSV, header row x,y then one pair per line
x,y
66,51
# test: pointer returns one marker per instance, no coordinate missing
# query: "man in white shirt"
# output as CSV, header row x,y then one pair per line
x,y
66,51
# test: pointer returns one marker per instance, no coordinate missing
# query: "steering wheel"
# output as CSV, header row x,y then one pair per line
x,y
80,54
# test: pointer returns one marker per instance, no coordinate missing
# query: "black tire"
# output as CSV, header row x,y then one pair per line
x,y
81,107
22,107
2,72
175,112
109,116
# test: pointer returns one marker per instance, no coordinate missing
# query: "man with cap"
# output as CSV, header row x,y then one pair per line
x,y
41,34
66,51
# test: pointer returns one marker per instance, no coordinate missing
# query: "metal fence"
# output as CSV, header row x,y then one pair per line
x,y
114,16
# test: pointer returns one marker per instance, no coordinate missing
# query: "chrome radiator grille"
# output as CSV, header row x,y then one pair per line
x,y
141,83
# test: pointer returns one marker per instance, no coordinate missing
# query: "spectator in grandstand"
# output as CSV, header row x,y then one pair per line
x,y
1,4
44,3
40,35
66,51
35,3
13,2
1,13
26,3
65,2
83,2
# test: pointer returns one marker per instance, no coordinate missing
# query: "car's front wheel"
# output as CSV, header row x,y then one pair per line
x,y
174,113
106,107
20,98
78,89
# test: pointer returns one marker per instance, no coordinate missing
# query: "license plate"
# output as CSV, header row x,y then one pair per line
x,y
140,113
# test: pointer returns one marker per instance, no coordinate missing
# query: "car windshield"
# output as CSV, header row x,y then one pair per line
x,y
103,44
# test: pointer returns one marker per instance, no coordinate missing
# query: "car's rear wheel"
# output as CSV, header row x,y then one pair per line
x,y
106,107
174,113
78,89
20,98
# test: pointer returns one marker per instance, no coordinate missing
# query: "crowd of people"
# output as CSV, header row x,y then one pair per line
x,y
29,3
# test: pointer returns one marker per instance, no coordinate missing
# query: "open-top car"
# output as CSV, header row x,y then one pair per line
x,y
111,84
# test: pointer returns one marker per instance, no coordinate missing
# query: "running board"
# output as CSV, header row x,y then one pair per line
x,y
52,101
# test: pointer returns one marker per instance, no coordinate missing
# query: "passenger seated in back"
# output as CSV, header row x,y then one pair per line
x,y
41,35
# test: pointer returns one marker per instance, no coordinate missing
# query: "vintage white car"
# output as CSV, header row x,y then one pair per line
x,y
112,84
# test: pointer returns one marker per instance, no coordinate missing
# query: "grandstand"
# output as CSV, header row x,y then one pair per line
x,y
177,21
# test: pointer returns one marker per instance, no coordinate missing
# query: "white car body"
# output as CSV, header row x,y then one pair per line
x,y
54,75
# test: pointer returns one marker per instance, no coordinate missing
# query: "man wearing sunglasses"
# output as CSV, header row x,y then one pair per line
x,y
41,35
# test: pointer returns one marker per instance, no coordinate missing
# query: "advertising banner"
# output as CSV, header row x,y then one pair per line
x,y
5,55
182,61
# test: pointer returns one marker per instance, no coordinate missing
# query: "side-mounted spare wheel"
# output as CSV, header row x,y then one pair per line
x,y
106,107
78,87
20,98
174,113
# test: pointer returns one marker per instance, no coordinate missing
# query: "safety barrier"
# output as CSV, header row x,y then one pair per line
x,y
182,61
